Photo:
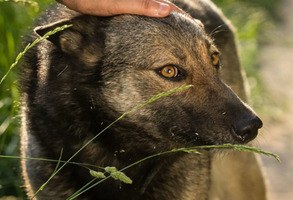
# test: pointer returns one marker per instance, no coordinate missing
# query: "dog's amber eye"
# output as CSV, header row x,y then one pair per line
x,y
216,60
169,71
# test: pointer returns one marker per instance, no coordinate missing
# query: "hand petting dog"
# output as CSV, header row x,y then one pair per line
x,y
151,8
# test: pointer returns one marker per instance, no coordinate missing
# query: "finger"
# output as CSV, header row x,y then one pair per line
x,y
175,8
152,8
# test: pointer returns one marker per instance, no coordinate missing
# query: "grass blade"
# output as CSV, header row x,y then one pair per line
x,y
30,45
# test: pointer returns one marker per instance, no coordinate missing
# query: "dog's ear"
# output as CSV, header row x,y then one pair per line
x,y
58,37
75,40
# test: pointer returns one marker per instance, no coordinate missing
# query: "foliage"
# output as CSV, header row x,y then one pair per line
x,y
251,18
14,19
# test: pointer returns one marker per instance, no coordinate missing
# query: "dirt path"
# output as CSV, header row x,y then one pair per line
x,y
277,136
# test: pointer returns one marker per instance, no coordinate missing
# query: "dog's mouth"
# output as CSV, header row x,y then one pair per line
x,y
245,137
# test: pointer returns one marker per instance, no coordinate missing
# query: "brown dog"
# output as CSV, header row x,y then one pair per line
x,y
83,78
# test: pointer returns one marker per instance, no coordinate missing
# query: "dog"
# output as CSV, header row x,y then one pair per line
x,y
81,79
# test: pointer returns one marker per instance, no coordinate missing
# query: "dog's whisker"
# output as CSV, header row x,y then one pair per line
x,y
217,30
63,70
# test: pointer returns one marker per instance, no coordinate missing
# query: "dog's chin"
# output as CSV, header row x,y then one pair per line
x,y
232,138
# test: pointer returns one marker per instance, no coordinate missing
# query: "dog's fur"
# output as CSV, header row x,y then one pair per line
x,y
81,79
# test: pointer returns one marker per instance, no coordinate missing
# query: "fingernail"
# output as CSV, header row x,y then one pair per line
x,y
164,10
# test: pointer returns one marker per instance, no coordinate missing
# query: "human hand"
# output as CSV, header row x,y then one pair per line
x,y
152,8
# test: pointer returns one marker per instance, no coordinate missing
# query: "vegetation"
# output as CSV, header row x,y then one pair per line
x,y
251,18
16,16
15,19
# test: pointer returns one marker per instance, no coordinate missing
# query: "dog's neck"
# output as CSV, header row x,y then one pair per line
x,y
179,168
149,176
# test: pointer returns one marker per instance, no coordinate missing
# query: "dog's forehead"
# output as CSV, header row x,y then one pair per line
x,y
175,24
176,30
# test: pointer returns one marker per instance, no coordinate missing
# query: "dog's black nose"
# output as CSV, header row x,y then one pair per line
x,y
247,129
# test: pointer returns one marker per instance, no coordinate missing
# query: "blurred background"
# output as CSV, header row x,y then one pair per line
x,y
265,38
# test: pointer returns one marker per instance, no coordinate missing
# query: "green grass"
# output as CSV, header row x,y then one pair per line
x,y
16,18
251,18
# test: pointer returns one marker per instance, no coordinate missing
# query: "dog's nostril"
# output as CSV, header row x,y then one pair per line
x,y
247,129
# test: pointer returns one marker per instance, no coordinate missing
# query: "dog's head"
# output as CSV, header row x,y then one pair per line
x,y
114,64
